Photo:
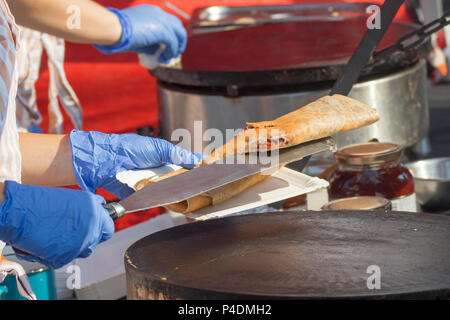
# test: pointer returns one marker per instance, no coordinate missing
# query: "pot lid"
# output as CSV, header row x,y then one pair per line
x,y
282,55
278,46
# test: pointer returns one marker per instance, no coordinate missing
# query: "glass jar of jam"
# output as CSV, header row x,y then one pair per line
x,y
373,169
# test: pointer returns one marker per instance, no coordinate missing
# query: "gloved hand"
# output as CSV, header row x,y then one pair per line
x,y
54,225
97,158
144,28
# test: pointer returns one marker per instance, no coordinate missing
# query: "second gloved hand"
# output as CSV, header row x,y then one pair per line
x,y
97,158
54,225
144,29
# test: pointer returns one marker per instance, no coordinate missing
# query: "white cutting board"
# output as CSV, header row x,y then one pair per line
x,y
284,184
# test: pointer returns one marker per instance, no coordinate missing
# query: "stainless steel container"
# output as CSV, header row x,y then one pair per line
x,y
399,97
432,183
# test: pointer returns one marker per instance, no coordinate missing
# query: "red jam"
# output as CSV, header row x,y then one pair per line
x,y
371,169
391,182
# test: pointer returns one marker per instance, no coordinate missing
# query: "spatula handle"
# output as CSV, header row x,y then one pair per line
x,y
115,210
366,47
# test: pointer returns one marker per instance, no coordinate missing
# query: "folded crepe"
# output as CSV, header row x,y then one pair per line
x,y
321,118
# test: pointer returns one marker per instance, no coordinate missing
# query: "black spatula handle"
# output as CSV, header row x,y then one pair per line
x,y
365,49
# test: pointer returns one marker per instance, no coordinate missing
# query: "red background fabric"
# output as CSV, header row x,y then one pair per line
x,y
116,93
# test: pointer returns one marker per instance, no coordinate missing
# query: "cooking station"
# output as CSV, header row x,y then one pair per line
x,y
229,76
325,134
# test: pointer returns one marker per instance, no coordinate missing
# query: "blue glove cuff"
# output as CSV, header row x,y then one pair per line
x,y
96,159
125,38
84,156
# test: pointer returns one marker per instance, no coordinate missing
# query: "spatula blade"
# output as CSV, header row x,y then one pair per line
x,y
208,177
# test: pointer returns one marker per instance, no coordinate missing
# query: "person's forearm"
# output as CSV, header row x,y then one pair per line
x,y
46,160
97,25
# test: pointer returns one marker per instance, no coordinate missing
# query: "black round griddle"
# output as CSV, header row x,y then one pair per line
x,y
310,255
284,54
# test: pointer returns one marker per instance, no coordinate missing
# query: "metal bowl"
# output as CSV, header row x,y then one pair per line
x,y
432,183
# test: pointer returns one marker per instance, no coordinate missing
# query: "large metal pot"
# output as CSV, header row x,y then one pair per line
x,y
400,98
264,71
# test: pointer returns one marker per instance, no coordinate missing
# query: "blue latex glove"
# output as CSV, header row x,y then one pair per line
x,y
54,225
144,28
97,158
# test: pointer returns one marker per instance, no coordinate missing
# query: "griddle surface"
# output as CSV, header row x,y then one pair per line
x,y
299,255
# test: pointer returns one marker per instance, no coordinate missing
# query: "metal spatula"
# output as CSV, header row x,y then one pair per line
x,y
208,177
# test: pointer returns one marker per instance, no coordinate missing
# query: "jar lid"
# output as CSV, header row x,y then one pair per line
x,y
359,203
368,153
